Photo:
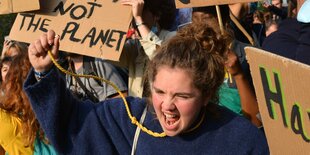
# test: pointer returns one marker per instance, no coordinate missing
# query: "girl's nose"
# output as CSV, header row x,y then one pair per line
x,y
168,104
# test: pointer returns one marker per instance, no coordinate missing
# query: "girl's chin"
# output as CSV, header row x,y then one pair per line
x,y
171,134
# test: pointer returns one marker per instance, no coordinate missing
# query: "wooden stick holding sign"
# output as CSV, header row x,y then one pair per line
x,y
219,18
220,21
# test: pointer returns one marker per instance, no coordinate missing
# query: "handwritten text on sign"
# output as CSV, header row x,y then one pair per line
x,y
275,96
89,28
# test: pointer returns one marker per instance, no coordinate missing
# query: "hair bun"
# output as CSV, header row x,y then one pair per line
x,y
208,36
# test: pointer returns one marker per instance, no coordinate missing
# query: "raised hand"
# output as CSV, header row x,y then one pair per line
x,y
137,8
232,64
38,51
6,45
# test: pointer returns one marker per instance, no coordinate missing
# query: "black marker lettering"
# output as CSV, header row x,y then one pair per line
x,y
72,31
299,127
42,28
122,34
93,5
35,25
91,34
60,7
270,96
102,37
24,19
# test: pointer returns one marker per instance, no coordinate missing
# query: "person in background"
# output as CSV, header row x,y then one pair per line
x,y
152,20
292,38
184,76
12,48
242,13
20,132
5,66
258,26
302,53
292,8
6,44
276,8
89,88
237,91
271,26
11,137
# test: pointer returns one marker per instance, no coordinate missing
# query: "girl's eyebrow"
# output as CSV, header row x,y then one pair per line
x,y
175,94
157,89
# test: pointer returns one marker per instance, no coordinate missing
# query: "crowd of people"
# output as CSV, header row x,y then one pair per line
x,y
183,77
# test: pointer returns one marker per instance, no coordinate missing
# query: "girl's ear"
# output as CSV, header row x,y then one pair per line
x,y
206,100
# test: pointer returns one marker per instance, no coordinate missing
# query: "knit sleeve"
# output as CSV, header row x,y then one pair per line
x,y
60,114
76,127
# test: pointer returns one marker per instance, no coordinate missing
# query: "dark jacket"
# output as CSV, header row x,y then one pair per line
x,y
77,128
292,40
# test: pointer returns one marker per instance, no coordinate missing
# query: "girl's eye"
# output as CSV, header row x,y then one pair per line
x,y
159,92
183,96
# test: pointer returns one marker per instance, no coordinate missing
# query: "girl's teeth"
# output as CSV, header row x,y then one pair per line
x,y
170,116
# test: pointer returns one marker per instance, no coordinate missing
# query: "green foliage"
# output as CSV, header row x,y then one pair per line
x,y
6,22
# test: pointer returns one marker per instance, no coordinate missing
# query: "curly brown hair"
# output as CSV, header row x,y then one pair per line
x,y
15,101
198,49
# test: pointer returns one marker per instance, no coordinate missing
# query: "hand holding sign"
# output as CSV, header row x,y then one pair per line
x,y
37,51
232,64
137,8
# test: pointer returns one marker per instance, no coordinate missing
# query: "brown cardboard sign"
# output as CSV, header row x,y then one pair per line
x,y
14,6
199,3
95,28
282,88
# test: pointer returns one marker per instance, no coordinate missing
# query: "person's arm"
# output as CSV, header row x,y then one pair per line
x,y
73,126
149,40
6,45
61,116
248,99
247,96
2,152
137,11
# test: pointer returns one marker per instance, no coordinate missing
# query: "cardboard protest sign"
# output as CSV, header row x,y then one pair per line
x,y
199,3
90,27
14,6
282,87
